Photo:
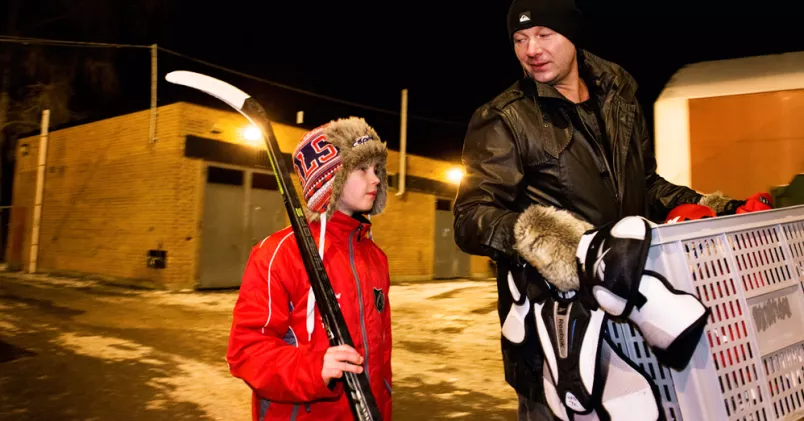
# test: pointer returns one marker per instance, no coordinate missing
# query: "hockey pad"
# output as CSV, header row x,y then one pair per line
x,y
551,395
570,335
628,392
525,286
671,321
613,274
612,260
513,327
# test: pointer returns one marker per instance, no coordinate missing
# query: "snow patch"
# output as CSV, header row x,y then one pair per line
x,y
103,347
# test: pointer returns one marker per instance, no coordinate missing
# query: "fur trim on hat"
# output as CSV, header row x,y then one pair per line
x,y
547,238
717,201
343,134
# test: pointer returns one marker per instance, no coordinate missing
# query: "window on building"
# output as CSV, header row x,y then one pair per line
x,y
264,181
219,175
444,204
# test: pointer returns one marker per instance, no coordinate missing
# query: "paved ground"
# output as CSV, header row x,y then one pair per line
x,y
79,350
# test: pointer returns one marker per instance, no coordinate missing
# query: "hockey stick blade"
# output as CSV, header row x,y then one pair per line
x,y
361,399
217,88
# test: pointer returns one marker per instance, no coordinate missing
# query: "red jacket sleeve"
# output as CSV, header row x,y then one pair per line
x,y
258,354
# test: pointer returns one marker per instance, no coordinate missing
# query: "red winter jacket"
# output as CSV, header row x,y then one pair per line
x,y
269,345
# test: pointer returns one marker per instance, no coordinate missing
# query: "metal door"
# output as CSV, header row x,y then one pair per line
x,y
267,208
223,255
449,260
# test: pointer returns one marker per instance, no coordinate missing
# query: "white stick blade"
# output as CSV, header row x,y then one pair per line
x,y
215,87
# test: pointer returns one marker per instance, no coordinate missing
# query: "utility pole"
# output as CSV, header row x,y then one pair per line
x,y
403,143
154,80
33,257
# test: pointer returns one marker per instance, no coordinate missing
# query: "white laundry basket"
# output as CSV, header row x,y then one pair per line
x,y
748,269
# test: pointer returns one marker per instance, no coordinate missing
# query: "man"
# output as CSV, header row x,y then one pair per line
x,y
563,149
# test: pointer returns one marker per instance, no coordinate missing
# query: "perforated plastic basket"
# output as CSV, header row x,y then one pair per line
x,y
748,269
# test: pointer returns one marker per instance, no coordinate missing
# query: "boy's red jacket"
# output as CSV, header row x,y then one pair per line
x,y
270,347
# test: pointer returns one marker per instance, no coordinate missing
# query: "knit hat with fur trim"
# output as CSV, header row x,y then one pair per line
x,y
328,154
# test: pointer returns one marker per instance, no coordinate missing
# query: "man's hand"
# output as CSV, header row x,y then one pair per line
x,y
340,359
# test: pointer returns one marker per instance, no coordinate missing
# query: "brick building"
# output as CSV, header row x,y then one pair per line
x,y
200,196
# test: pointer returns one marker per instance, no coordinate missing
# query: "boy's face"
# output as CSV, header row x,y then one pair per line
x,y
360,189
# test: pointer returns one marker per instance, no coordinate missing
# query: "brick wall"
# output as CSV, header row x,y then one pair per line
x,y
405,232
23,196
111,196
228,126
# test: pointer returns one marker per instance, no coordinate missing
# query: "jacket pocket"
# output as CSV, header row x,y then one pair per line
x,y
555,132
387,386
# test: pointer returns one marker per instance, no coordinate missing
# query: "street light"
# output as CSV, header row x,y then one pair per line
x,y
252,136
455,175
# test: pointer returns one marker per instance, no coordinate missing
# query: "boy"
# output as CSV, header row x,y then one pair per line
x,y
278,345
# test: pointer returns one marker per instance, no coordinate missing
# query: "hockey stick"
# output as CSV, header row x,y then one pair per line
x,y
361,399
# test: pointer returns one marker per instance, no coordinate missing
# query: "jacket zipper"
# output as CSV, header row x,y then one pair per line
x,y
359,302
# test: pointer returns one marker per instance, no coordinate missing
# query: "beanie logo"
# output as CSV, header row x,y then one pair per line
x,y
308,160
524,17
360,140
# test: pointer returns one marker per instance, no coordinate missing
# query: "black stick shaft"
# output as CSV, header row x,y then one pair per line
x,y
358,390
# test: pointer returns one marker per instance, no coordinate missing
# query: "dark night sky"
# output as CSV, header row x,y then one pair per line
x,y
451,55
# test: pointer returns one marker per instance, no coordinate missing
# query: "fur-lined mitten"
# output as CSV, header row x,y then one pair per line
x,y
547,238
721,204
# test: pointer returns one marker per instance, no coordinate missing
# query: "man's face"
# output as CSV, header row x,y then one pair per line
x,y
546,55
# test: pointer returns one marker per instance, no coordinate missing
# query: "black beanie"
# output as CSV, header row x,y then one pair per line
x,y
561,16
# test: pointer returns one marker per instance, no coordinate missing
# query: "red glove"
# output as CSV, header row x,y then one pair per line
x,y
689,212
756,202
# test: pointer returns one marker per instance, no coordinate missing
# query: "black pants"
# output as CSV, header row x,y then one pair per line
x,y
533,411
